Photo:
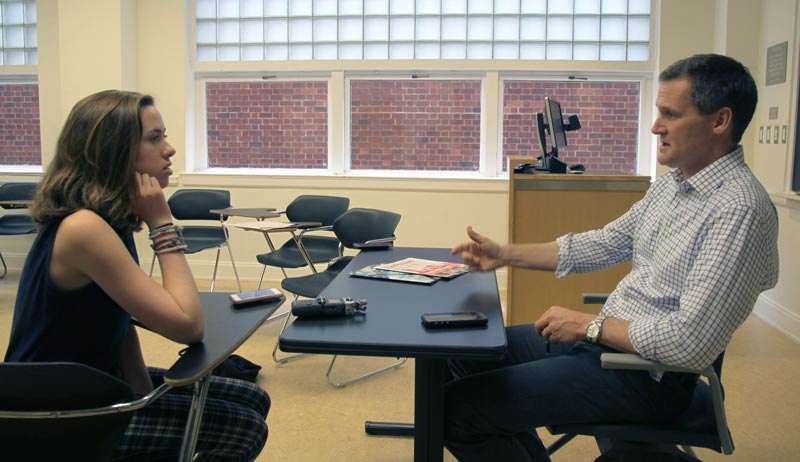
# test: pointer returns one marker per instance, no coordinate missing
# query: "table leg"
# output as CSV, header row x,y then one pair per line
x,y
428,426
429,380
195,416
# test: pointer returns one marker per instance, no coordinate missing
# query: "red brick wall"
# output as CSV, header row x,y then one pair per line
x,y
415,125
608,112
267,124
20,142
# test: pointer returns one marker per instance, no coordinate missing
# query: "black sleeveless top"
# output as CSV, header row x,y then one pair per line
x,y
83,325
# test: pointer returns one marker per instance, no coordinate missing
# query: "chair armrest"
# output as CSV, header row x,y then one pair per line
x,y
381,243
314,228
111,409
635,362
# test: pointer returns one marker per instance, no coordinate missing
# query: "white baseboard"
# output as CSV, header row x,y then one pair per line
x,y
778,317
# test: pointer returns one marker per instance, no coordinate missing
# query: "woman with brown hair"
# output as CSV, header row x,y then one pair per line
x,y
81,282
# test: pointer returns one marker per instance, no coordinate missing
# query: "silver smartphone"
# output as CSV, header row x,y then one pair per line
x,y
245,298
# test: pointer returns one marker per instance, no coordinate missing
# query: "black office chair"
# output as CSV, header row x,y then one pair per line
x,y
15,224
194,205
702,424
318,248
64,411
357,228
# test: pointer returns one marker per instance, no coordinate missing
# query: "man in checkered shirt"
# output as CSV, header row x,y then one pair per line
x,y
703,246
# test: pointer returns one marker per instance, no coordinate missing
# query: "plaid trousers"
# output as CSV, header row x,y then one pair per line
x,y
233,427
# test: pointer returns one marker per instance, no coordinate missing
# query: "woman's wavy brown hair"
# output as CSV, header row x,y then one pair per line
x,y
93,167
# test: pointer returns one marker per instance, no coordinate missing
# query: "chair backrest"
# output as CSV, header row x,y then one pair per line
x,y
194,204
359,225
16,191
37,387
323,209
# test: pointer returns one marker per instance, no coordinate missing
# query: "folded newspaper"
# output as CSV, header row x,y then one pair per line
x,y
439,269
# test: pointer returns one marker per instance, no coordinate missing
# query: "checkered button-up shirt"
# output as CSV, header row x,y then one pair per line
x,y
702,250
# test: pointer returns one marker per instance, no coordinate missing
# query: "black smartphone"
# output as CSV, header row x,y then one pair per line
x,y
443,320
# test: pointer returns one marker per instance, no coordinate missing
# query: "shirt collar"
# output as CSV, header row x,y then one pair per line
x,y
712,176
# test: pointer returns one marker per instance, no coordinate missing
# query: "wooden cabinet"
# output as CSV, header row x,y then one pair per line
x,y
543,207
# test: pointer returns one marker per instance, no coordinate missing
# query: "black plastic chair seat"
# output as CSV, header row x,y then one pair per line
x,y
312,285
319,249
694,427
14,224
203,237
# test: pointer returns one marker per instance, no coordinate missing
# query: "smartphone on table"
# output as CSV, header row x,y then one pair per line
x,y
246,298
445,320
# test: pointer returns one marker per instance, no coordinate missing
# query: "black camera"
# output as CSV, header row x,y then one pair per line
x,y
322,307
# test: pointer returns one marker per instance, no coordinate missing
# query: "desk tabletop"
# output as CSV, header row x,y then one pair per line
x,y
274,226
226,328
391,325
258,213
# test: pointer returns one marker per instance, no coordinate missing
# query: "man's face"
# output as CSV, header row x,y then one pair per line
x,y
685,136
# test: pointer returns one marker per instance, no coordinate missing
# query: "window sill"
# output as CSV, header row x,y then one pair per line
x,y
317,180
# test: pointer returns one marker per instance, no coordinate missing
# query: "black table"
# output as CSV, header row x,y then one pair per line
x,y
226,328
391,327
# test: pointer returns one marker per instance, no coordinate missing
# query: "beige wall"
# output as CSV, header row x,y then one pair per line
x,y
142,45
778,23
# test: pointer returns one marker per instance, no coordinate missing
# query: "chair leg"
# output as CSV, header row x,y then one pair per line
x,y
285,359
233,264
345,383
5,268
216,264
263,270
152,264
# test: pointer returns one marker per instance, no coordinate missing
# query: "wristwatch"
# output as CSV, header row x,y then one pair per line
x,y
595,329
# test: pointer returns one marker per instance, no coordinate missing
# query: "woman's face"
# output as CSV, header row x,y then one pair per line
x,y
154,151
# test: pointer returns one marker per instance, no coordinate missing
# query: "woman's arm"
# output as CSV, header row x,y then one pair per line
x,y
87,249
132,364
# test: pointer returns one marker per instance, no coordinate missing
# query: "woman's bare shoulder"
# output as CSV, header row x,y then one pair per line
x,y
84,225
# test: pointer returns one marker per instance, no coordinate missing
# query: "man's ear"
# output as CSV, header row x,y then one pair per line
x,y
723,121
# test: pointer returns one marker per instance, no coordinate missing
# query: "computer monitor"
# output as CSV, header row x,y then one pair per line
x,y
555,127
555,120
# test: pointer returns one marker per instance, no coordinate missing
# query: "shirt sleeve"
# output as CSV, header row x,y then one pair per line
x,y
737,260
601,248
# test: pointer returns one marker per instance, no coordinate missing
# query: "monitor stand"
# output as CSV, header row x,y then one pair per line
x,y
551,164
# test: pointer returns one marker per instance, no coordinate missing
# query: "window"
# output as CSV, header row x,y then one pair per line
x,y
20,143
415,125
18,33
267,124
608,112
280,30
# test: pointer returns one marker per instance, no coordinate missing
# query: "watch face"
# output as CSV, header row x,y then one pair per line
x,y
593,331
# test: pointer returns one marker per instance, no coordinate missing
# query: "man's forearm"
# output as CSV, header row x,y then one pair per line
x,y
543,257
615,335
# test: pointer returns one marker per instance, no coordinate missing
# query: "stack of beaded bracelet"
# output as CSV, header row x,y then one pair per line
x,y
167,238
